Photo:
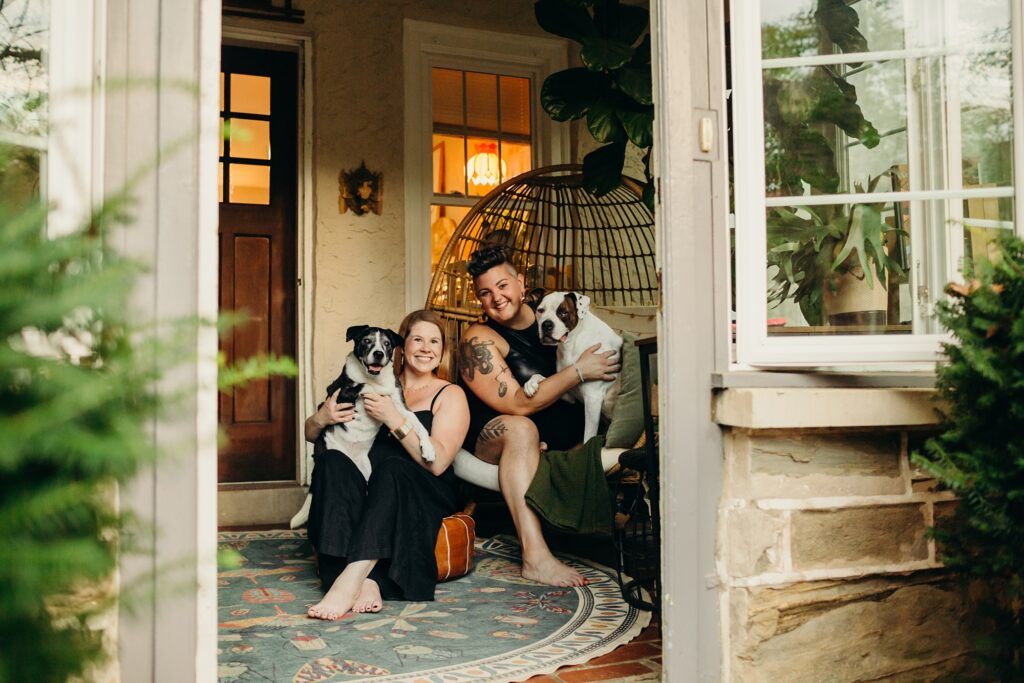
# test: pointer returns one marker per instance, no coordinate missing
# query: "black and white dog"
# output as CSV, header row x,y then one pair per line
x,y
564,319
367,370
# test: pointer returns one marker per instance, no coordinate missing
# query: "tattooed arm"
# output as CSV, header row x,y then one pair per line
x,y
483,369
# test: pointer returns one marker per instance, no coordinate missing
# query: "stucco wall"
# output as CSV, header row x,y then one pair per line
x,y
359,264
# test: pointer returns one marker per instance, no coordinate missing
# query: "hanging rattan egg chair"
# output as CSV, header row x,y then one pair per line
x,y
560,236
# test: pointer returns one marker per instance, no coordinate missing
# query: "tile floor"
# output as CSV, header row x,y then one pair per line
x,y
636,662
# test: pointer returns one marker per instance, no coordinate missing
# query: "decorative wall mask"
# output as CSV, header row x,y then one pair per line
x,y
360,191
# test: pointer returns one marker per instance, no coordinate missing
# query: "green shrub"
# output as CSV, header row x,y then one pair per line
x,y
980,453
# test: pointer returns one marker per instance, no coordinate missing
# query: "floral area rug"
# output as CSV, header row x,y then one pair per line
x,y
491,625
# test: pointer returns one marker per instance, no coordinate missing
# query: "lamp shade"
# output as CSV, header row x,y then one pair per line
x,y
485,169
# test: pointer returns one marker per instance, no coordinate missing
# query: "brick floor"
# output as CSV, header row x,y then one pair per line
x,y
637,661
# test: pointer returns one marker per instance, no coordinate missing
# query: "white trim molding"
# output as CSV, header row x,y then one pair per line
x,y
427,45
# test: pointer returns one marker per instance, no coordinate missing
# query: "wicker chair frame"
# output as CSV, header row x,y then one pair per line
x,y
560,236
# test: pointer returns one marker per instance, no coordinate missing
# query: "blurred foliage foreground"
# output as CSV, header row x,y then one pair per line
x,y
78,397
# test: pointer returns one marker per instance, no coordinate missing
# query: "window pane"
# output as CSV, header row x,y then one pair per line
x,y
447,96
817,279
449,164
220,181
24,89
515,106
222,91
220,137
250,139
791,28
483,168
443,221
249,184
250,94
517,158
826,135
482,101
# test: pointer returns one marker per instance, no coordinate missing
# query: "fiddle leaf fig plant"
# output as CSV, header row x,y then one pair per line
x,y
612,89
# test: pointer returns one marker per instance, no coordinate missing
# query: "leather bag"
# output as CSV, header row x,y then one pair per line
x,y
454,548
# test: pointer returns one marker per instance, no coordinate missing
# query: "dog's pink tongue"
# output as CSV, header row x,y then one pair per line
x,y
564,337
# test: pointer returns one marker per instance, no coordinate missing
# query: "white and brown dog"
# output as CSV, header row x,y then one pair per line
x,y
367,370
564,318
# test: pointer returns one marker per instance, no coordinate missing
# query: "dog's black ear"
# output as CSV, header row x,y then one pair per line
x,y
534,296
355,332
571,296
395,338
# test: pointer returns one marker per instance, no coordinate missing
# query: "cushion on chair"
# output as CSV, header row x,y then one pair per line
x,y
454,548
627,422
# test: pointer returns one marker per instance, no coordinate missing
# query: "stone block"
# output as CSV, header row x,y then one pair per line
x,y
900,628
851,537
752,541
801,465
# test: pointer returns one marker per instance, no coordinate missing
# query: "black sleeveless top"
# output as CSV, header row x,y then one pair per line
x,y
561,423
386,446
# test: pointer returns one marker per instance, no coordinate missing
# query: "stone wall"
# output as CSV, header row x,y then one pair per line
x,y
825,568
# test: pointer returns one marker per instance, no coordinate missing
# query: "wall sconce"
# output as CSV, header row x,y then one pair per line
x,y
360,191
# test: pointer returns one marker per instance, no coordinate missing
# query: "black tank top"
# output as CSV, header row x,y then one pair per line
x,y
526,355
560,424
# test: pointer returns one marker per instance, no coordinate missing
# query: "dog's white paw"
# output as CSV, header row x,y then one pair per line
x,y
427,449
532,384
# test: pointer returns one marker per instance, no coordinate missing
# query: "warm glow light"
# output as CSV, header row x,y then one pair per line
x,y
482,169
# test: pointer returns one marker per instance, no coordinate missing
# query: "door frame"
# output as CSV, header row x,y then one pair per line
x,y
238,32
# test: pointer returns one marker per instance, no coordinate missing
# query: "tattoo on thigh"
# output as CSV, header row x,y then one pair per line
x,y
475,356
492,430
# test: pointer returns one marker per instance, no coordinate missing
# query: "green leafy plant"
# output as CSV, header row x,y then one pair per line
x,y
811,247
805,110
78,391
612,89
980,453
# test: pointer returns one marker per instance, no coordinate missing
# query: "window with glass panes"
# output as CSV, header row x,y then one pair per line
x,y
482,136
24,106
874,162
245,147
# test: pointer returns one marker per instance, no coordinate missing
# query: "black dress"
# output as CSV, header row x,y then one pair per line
x,y
561,423
394,518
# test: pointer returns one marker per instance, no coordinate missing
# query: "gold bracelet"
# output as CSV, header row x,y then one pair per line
x,y
579,373
402,430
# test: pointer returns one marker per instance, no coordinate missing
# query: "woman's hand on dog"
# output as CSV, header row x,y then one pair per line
x,y
382,409
332,412
596,364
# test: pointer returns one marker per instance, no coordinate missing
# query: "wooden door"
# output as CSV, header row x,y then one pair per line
x,y
259,102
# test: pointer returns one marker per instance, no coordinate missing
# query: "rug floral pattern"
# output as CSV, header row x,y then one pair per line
x,y
492,625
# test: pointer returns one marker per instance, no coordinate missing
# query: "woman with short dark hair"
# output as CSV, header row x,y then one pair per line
x,y
496,357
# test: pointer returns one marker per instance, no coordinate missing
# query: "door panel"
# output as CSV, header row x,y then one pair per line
x,y
258,257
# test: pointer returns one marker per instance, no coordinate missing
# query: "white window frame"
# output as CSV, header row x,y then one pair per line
x,y
75,68
427,45
754,347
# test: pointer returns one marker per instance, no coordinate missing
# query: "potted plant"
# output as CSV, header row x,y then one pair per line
x,y
831,259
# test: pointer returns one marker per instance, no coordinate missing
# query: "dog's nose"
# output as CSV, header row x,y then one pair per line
x,y
547,326
378,356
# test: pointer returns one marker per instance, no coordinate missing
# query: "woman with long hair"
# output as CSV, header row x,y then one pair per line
x,y
375,539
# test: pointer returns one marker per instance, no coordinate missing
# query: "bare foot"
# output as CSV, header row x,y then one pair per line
x,y
336,603
553,572
369,599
